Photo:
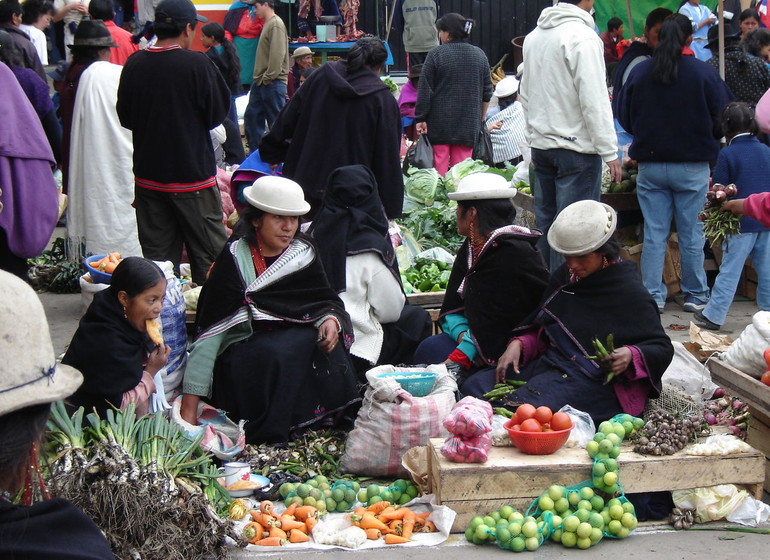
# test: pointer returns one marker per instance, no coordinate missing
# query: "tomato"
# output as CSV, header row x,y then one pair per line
x,y
561,421
525,411
543,414
767,357
516,427
531,425
766,378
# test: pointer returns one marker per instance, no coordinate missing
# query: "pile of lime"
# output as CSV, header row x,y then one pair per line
x,y
402,491
510,529
605,448
320,493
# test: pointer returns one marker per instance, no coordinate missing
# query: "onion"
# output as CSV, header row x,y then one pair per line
x,y
720,195
717,187
735,430
718,393
737,404
710,418
731,190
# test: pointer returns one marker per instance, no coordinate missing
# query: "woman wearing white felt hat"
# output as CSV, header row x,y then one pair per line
x,y
30,380
593,296
496,280
267,292
507,125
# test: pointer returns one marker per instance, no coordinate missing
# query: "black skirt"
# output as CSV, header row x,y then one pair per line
x,y
281,384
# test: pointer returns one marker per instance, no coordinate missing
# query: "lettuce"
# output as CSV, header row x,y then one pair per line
x,y
463,169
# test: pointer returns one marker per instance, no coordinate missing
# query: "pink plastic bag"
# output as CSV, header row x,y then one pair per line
x,y
467,450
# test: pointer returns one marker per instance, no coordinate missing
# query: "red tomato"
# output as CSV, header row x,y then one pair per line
x,y
531,425
561,421
525,411
767,357
543,414
516,427
766,378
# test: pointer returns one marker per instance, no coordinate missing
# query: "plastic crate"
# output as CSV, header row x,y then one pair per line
x,y
417,383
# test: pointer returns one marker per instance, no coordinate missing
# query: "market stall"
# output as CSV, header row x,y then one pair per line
x,y
325,48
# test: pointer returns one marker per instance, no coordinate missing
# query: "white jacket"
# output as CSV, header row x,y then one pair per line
x,y
373,296
563,88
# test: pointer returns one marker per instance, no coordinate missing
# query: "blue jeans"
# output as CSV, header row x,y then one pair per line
x,y
563,177
265,102
677,190
755,245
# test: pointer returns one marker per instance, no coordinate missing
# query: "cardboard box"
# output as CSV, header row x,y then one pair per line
x,y
632,253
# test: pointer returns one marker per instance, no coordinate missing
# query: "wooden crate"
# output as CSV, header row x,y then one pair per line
x,y
431,302
757,395
511,477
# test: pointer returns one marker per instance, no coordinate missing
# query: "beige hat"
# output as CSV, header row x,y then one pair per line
x,y
302,51
29,374
277,195
582,227
483,186
507,86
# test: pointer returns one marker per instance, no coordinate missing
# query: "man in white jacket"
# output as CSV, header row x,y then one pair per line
x,y
569,118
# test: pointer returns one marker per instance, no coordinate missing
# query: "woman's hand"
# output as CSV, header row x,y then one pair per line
x,y
421,128
158,358
327,336
619,360
510,359
189,408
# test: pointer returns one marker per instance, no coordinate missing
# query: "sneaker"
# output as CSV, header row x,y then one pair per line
x,y
689,303
701,321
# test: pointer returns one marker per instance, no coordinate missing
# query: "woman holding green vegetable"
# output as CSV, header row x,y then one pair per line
x,y
595,342
496,281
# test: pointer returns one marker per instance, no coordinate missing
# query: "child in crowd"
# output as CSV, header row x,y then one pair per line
x,y
746,163
407,99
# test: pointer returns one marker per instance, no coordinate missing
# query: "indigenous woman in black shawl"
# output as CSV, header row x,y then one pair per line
x,y
496,281
111,347
351,231
594,294
272,335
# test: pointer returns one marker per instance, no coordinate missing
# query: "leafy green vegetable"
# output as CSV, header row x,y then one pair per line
x,y
507,171
390,83
433,226
422,185
463,169
427,275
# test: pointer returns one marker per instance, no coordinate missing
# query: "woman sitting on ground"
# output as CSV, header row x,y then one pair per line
x,y
351,231
593,295
496,281
111,347
272,335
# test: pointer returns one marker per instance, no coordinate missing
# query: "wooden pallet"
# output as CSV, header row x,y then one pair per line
x,y
754,393
511,477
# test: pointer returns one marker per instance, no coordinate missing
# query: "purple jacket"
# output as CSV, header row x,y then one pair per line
x,y
29,197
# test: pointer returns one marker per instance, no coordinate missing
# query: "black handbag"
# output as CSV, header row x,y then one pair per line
x,y
483,148
419,154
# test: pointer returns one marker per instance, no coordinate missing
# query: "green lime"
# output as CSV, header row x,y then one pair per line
x,y
373,490
628,507
401,484
303,490
386,495
518,544
285,488
583,543
373,500
309,501
596,520
475,522
469,534
355,485
343,506
489,521
598,469
592,447
320,505
545,503
338,494
496,516
584,530
350,495
583,514
597,503
616,511
529,529
321,479
610,478
502,534
413,491
395,493
606,427
312,482
628,427
555,491
586,493
561,505
596,536
569,539
505,512
482,532
514,528
362,496
584,505
532,543
573,497
556,535
316,493
571,523
620,431
628,520
404,499
331,504
638,423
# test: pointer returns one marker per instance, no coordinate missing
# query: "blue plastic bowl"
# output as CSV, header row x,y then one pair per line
x,y
417,383
97,276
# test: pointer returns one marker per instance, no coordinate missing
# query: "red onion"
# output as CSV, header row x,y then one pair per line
x,y
735,430
710,418
737,404
718,393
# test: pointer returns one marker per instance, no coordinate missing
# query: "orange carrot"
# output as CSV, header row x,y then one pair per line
x,y
290,510
428,527
302,528
266,507
287,523
277,532
271,541
263,519
369,521
395,539
396,526
310,522
408,525
296,536
373,534
378,507
302,513
394,514
359,511
423,514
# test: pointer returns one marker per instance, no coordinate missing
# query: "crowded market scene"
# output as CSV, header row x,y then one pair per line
x,y
462,276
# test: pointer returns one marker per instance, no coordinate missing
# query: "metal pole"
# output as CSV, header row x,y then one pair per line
x,y
720,22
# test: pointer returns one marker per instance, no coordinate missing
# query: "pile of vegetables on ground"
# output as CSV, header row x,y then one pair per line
x,y
149,488
52,271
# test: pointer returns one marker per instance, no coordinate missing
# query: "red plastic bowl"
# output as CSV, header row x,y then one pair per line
x,y
537,443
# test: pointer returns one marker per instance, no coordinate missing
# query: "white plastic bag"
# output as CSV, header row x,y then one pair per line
x,y
724,501
583,428
688,374
500,437
87,290
391,421
745,353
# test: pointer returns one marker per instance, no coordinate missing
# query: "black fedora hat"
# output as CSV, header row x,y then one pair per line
x,y
92,33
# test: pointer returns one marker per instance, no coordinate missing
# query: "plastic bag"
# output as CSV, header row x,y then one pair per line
x,y
483,148
87,290
419,154
469,418
221,436
467,450
500,437
583,428
688,374
720,444
745,353
724,501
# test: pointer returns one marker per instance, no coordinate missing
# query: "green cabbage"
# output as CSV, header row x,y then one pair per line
x,y
422,185
461,170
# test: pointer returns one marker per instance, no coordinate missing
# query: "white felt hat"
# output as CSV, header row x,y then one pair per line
x,y
277,195
483,186
29,374
582,227
507,86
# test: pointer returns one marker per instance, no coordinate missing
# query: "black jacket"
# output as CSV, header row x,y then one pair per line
x,y
29,53
338,119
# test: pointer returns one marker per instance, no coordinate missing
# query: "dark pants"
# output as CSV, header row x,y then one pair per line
x,y
167,221
265,102
563,177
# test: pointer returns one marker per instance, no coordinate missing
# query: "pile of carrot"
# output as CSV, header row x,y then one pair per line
x,y
267,528
107,263
396,524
